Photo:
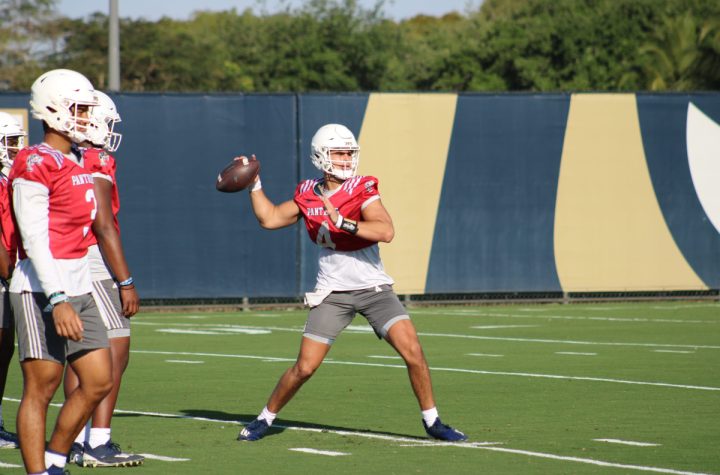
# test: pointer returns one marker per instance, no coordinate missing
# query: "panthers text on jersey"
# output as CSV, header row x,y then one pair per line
x,y
71,198
353,195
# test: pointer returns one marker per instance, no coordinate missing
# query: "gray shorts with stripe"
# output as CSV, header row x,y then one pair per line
x,y
37,338
107,296
379,305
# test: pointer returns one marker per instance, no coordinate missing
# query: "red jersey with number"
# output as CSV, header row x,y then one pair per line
x,y
71,199
350,199
102,166
9,240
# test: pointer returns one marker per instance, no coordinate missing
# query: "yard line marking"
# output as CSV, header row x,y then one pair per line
x,y
184,361
628,442
484,354
570,342
319,452
472,337
494,327
564,458
454,370
674,351
418,442
471,313
574,353
385,357
188,332
164,458
9,465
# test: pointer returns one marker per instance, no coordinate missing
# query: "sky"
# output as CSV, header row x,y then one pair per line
x,y
182,9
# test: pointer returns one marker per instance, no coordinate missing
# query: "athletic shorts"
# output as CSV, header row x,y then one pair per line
x,y
379,305
107,297
36,335
6,313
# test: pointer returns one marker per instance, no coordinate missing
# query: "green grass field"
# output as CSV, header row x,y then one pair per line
x,y
562,389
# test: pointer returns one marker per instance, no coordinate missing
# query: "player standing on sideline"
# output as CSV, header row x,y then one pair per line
x,y
113,287
56,317
344,216
12,139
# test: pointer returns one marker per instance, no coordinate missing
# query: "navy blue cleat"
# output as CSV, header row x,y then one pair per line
x,y
55,470
254,431
109,455
442,432
76,454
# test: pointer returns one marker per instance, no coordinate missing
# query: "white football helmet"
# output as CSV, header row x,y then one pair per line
x,y
334,137
103,118
12,139
54,97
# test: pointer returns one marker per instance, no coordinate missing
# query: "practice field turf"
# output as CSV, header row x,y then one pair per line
x,y
560,389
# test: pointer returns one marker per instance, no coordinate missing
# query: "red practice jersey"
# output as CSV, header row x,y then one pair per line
x,y
349,200
71,207
98,161
9,240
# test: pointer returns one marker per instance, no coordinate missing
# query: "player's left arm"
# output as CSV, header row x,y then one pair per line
x,y
376,224
111,246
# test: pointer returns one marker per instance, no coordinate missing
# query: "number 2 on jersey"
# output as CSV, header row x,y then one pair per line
x,y
90,198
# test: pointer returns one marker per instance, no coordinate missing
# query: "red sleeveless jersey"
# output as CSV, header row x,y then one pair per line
x,y
71,207
9,240
96,160
348,200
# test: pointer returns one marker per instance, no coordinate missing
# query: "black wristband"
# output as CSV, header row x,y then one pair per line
x,y
348,225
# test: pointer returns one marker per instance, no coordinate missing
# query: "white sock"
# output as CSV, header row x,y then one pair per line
x,y
267,415
430,416
84,434
52,458
99,436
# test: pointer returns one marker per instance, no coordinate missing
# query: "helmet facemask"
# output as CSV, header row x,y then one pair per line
x,y
335,137
103,118
12,139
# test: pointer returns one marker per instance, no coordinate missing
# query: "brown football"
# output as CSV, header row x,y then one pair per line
x,y
238,175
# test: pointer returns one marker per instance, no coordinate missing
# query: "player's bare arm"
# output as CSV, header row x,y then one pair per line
x,y
109,241
376,224
270,215
6,265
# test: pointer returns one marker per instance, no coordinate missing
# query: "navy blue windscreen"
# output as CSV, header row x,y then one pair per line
x,y
663,121
497,208
183,238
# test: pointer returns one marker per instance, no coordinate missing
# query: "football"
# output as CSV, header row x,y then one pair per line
x,y
238,175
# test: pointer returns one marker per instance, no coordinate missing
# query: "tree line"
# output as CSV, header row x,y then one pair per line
x,y
339,46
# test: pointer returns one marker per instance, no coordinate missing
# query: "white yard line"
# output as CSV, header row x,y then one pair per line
x,y
164,458
329,453
495,327
674,351
9,465
454,370
185,361
484,354
574,353
385,357
627,442
453,335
